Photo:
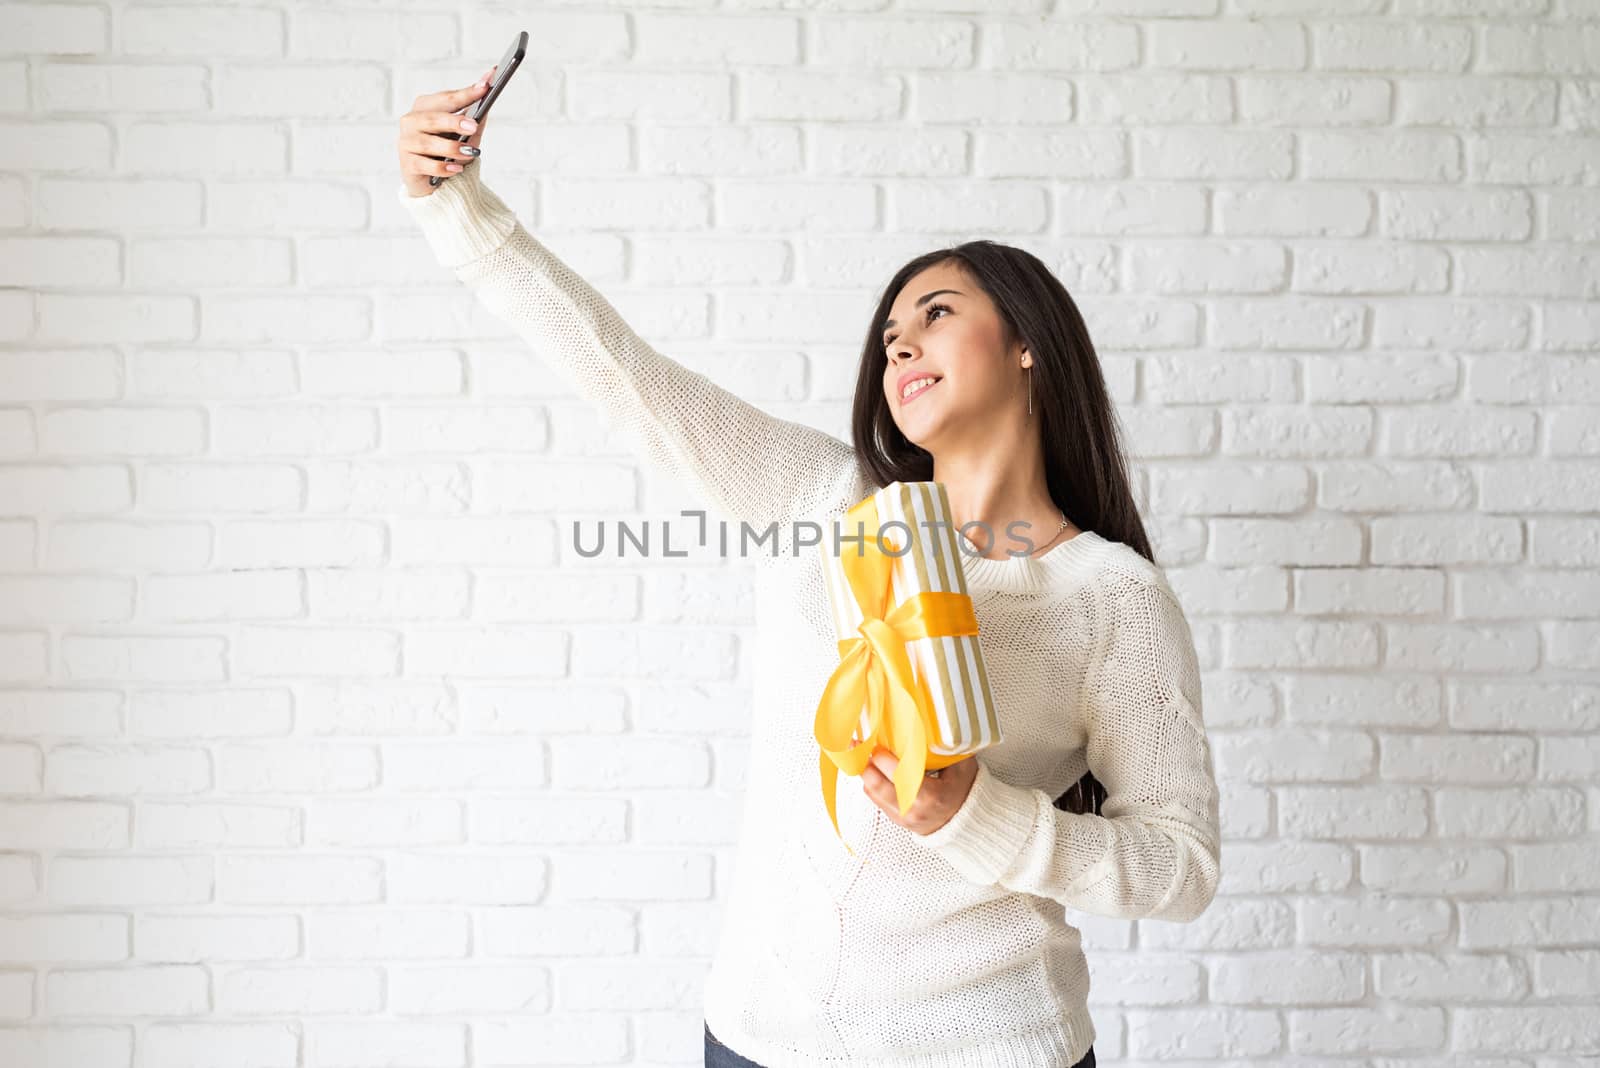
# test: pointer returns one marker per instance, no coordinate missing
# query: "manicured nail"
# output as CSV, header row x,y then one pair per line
x,y
468,125
453,167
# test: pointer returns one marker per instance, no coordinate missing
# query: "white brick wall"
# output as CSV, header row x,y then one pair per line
x,y
320,746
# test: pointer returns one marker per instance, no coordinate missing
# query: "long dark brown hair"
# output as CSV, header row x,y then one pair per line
x,y
1085,470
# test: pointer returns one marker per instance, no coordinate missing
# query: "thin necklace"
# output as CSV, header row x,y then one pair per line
x,y
1041,548
1053,537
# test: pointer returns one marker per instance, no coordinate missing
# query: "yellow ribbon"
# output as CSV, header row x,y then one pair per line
x,y
875,672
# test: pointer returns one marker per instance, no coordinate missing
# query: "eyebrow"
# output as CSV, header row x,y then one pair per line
x,y
927,297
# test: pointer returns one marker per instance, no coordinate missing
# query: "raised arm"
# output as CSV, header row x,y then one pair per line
x,y
1155,851
738,460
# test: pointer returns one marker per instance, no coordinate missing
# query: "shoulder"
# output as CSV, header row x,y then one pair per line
x,y
850,483
1130,584
1124,568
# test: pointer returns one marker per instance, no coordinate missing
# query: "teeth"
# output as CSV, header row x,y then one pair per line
x,y
917,386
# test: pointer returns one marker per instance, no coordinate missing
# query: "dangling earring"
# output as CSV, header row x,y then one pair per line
x,y
1030,390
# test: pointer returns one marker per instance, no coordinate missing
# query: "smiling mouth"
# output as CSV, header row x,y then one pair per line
x,y
918,391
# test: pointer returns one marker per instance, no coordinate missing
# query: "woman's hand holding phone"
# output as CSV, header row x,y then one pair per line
x,y
436,137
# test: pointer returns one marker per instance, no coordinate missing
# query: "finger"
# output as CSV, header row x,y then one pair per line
x,y
424,163
411,163
474,138
482,84
450,99
429,145
435,123
880,788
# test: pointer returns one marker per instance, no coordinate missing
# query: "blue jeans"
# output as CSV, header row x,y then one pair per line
x,y
720,1056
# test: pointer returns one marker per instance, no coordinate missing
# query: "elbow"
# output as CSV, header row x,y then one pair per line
x,y
1208,868
1198,885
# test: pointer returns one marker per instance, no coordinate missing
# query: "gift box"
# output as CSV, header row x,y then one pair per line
x,y
911,677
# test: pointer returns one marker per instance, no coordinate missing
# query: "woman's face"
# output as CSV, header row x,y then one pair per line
x,y
943,326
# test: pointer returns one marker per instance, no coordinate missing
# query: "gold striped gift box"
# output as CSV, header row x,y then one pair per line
x,y
948,671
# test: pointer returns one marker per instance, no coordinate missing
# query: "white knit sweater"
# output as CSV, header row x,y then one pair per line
x,y
950,950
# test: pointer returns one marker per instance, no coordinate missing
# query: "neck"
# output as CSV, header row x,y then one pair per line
x,y
997,488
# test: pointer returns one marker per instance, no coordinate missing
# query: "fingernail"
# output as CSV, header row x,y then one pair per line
x,y
468,125
471,150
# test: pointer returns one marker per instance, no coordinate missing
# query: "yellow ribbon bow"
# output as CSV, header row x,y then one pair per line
x,y
875,671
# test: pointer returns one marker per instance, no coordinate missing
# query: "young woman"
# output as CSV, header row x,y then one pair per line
x,y
944,941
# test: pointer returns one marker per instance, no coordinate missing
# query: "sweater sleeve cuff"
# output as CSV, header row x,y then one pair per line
x,y
988,832
461,219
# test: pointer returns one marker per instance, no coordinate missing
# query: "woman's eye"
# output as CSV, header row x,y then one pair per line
x,y
929,315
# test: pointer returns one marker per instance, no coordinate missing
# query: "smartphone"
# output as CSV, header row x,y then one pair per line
x,y
476,111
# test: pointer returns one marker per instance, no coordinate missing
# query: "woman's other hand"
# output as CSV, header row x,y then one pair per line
x,y
936,802
421,131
